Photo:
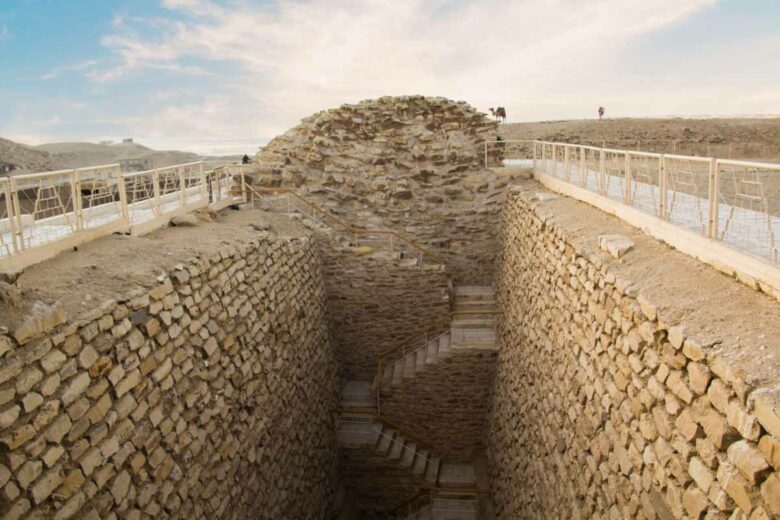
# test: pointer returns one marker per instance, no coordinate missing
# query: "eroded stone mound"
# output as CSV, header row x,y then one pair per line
x,y
412,163
389,147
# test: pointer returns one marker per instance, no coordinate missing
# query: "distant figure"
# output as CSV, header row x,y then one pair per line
x,y
601,112
499,113
245,159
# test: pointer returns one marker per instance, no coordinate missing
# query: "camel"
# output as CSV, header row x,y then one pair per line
x,y
499,113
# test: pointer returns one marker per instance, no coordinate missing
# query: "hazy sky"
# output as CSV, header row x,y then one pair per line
x,y
224,76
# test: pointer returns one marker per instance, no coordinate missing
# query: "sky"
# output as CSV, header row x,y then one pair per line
x,y
224,76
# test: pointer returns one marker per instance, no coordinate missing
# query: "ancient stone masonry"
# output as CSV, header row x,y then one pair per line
x,y
208,395
447,403
412,163
617,398
375,302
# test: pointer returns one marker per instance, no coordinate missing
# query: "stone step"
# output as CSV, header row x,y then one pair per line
x,y
444,344
408,455
474,322
433,351
357,394
474,306
457,475
454,509
385,441
473,338
357,434
396,448
432,471
410,364
420,463
474,291
421,358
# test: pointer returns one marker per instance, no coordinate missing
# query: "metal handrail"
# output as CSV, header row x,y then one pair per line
x,y
347,226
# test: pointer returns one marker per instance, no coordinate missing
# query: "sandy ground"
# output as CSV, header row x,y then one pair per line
x,y
765,131
712,305
112,266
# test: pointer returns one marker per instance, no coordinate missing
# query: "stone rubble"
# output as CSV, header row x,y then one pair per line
x,y
412,163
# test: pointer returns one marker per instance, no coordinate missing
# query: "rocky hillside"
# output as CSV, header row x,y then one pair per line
x,y
411,163
74,155
17,158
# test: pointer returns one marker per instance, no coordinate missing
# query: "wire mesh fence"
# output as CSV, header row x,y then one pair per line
x,y
735,202
43,208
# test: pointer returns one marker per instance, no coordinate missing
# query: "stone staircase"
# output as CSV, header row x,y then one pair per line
x,y
444,507
466,332
386,446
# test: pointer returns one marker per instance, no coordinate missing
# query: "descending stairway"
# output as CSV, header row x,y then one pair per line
x,y
467,331
421,469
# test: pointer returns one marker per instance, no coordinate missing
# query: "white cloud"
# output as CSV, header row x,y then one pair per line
x,y
297,57
58,71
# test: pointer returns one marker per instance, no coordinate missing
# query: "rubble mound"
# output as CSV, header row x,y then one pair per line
x,y
409,163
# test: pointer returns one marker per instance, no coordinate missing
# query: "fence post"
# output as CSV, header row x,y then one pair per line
x,y
554,160
662,187
11,213
18,211
534,156
156,187
712,230
602,172
75,196
182,186
122,188
627,194
244,198
566,165
582,173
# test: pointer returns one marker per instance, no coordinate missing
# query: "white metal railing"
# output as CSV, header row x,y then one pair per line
x,y
519,152
53,210
731,201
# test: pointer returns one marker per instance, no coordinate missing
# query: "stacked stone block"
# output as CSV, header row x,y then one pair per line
x,y
206,396
410,163
446,404
375,302
602,408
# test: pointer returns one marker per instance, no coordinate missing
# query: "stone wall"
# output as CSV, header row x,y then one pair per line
x,y
208,395
646,387
446,404
412,164
375,302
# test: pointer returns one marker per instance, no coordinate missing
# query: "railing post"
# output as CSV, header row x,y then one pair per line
x,y
566,172
156,187
712,230
18,208
182,188
582,173
662,187
534,157
627,194
244,198
75,197
122,189
554,160
602,172
204,189
11,213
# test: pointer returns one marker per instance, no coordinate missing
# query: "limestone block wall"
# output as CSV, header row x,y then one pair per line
x,y
209,395
376,302
446,404
640,388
